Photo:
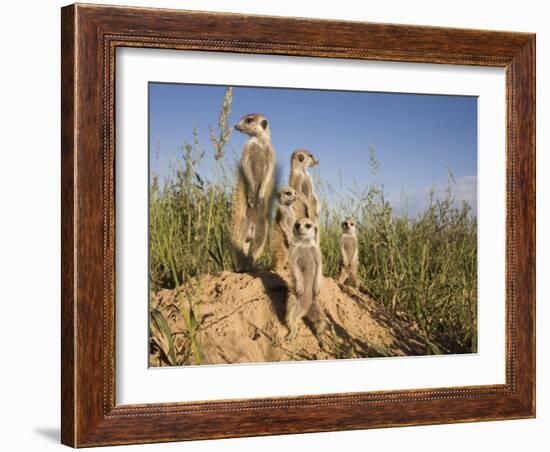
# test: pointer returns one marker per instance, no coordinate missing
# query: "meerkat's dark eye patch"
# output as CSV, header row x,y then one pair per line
x,y
264,123
301,157
248,120
297,226
288,193
308,226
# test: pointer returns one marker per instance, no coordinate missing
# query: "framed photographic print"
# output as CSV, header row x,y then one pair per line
x,y
280,225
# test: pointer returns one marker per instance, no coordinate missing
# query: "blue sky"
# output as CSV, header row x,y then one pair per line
x,y
416,137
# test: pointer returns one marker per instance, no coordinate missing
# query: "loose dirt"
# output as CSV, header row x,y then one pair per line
x,y
240,318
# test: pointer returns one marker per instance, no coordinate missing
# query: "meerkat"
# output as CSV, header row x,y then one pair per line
x,y
350,253
253,192
307,205
281,235
305,264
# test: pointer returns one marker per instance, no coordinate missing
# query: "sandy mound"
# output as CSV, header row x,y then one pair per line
x,y
239,318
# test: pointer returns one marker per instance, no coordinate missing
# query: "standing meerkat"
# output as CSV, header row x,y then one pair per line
x,y
307,205
305,264
281,235
253,192
350,253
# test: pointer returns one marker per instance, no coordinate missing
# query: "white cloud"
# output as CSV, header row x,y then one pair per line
x,y
464,188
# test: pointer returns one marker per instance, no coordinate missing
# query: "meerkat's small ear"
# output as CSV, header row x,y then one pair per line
x,y
301,157
264,123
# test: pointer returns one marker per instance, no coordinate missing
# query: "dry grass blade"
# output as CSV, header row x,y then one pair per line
x,y
161,335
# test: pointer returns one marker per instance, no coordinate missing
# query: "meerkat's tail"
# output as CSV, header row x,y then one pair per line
x,y
317,318
240,230
238,215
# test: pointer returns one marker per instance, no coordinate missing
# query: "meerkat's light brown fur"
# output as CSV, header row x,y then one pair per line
x,y
281,235
307,203
349,250
306,270
252,193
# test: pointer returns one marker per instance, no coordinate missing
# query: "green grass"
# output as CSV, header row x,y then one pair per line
x,y
423,268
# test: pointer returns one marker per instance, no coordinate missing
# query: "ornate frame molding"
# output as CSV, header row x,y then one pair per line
x,y
90,37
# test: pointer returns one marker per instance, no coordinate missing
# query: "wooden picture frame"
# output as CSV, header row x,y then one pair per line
x,y
90,35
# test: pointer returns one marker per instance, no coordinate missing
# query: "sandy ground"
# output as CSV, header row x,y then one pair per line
x,y
239,318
